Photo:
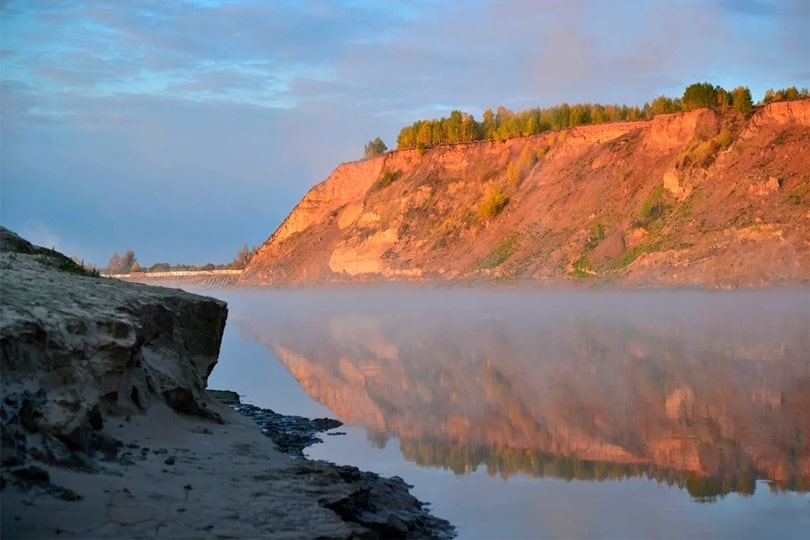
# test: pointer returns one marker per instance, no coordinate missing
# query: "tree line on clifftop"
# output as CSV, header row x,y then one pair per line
x,y
505,124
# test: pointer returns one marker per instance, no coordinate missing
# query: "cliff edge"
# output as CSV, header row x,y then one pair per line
x,y
108,431
76,347
707,198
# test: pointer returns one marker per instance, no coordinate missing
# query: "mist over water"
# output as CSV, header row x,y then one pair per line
x,y
492,402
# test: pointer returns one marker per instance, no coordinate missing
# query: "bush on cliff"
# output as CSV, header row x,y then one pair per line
x,y
492,205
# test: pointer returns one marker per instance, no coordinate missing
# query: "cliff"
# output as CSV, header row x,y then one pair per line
x,y
702,198
75,348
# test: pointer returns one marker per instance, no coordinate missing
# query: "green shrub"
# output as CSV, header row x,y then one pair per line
x,y
724,139
653,206
493,204
387,178
702,152
595,235
71,267
517,169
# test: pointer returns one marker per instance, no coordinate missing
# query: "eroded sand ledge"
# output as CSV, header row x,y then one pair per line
x,y
108,432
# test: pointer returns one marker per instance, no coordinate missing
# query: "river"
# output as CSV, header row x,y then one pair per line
x,y
549,414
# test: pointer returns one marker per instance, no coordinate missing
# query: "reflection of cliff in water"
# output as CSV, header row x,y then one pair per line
x,y
706,391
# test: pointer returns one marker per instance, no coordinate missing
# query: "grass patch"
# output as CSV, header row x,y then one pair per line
x,y
632,254
228,397
796,195
595,236
582,269
629,256
696,198
500,254
69,266
416,219
701,153
387,178
653,206
471,218
64,264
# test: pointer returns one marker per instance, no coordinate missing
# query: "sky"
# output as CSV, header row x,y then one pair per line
x,y
184,129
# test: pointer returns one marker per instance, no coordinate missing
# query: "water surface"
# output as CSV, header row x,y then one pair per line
x,y
532,414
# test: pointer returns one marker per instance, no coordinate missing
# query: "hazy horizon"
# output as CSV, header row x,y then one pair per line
x,y
183,131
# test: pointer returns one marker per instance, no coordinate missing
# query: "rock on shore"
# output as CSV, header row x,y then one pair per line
x,y
107,430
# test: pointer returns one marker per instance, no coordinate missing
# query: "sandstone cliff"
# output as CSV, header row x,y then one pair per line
x,y
706,198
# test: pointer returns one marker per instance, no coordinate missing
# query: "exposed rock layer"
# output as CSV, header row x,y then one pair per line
x,y
83,343
706,198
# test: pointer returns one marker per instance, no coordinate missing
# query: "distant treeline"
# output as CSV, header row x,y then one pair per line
x,y
506,124
128,263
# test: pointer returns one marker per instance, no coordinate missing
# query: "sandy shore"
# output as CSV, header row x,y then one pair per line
x,y
177,476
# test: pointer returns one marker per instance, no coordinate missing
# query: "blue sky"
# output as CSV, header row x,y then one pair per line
x,y
184,129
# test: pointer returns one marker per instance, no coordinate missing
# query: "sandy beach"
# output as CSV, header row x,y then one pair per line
x,y
181,477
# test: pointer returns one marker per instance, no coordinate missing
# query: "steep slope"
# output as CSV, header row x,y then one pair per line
x,y
706,198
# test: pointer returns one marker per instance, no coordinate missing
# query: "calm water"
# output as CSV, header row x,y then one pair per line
x,y
530,414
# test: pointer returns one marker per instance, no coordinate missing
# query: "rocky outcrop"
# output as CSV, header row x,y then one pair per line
x,y
75,347
108,431
681,199
377,507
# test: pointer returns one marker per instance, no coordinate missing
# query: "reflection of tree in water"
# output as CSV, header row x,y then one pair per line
x,y
378,439
507,462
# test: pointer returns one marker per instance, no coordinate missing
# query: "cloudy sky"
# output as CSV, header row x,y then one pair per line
x,y
184,129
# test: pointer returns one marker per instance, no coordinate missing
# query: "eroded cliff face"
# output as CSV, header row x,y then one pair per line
x,y
75,349
702,198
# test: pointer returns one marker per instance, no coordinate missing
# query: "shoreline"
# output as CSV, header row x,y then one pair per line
x,y
175,475
570,284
